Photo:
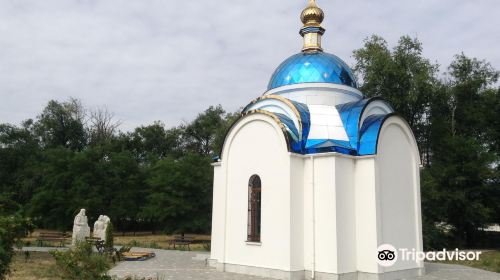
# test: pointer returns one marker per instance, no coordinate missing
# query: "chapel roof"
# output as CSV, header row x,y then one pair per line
x,y
312,65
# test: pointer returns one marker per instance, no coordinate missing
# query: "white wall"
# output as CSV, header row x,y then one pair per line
x,y
218,213
326,214
308,220
398,195
366,215
346,214
330,246
256,145
297,188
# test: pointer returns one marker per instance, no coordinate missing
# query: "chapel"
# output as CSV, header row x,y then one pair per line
x,y
313,178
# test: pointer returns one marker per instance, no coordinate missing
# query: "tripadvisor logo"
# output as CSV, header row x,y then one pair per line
x,y
387,255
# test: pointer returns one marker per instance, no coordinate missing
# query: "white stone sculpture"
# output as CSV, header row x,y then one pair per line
x,y
100,227
81,228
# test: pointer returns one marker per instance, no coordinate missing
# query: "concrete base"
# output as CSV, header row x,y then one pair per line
x,y
330,276
307,275
261,271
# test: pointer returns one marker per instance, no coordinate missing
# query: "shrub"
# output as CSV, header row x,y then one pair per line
x,y
11,229
109,236
81,262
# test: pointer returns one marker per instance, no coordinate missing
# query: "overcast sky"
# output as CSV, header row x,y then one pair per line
x,y
169,60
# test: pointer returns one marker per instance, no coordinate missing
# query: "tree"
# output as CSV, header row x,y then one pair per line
x,y
455,122
154,142
223,129
464,150
403,77
62,124
180,196
201,134
53,202
102,126
19,151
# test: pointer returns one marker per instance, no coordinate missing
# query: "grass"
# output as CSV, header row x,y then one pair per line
x,y
159,241
141,239
488,260
40,266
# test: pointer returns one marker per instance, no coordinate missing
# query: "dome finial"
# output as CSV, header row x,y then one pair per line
x,y
312,17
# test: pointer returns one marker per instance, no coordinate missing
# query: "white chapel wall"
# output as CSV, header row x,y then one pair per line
x,y
325,247
218,213
366,215
346,217
397,174
257,146
297,215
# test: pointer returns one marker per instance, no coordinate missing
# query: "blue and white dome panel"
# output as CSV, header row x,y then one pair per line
x,y
276,106
327,128
312,67
351,128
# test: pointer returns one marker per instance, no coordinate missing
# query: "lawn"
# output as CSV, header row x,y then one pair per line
x,y
40,266
488,260
140,239
160,241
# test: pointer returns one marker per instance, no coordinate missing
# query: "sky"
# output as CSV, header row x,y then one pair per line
x,y
169,60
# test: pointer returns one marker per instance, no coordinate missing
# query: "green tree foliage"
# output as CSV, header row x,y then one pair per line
x,y
456,124
464,171
201,136
19,152
403,77
66,160
154,142
180,193
62,124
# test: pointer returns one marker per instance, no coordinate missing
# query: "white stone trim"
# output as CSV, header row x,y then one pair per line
x,y
253,243
318,86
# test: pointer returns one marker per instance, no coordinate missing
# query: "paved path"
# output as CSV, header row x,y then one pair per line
x,y
44,249
440,271
180,265
172,264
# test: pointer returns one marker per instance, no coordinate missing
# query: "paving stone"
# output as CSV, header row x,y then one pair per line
x,y
180,265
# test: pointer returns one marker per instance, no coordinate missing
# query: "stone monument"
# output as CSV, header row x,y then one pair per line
x,y
100,227
81,228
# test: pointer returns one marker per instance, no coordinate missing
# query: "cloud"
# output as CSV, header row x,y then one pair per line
x,y
168,60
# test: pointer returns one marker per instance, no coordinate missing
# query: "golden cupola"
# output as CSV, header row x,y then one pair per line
x,y
312,17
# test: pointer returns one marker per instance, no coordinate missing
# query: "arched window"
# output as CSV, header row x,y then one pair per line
x,y
254,197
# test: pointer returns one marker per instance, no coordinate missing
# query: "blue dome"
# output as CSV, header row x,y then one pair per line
x,y
316,67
